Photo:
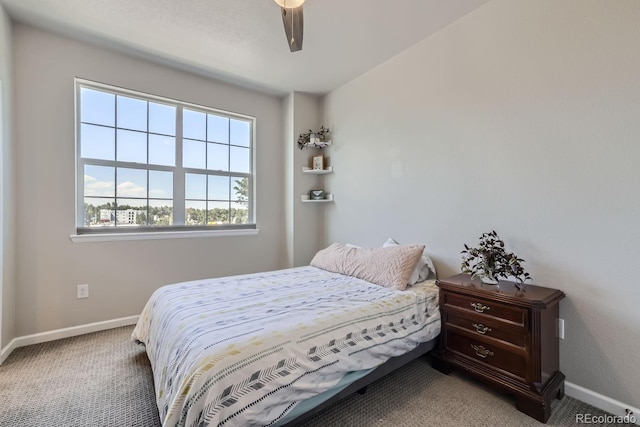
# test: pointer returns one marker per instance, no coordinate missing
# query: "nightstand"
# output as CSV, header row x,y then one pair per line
x,y
504,337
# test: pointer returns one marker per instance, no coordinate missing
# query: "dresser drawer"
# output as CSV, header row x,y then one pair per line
x,y
486,307
483,351
483,326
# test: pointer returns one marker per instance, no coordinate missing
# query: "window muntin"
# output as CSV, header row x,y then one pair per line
x,y
153,164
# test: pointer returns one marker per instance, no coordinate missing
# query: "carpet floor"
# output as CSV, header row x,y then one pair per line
x,y
103,379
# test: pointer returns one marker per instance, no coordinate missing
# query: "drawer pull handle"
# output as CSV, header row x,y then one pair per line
x,y
481,351
481,329
480,308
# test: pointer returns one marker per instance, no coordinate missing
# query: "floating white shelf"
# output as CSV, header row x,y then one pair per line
x,y
306,169
328,199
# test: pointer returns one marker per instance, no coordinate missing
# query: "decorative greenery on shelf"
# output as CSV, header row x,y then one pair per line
x,y
304,140
490,261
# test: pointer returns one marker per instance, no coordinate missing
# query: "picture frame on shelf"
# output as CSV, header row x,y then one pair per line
x,y
317,162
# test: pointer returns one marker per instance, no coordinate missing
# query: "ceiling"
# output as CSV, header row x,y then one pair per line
x,y
243,41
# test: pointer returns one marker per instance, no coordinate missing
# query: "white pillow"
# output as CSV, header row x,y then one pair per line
x,y
390,267
424,269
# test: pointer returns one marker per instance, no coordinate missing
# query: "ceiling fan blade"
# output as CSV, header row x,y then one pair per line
x,y
293,20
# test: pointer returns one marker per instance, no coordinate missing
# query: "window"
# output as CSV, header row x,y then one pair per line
x,y
146,163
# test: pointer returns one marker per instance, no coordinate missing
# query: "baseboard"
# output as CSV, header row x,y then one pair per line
x,y
600,401
65,333
5,352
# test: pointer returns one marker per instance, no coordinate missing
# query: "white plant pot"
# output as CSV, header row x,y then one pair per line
x,y
489,280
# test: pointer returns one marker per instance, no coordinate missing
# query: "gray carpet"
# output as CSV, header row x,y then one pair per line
x,y
103,379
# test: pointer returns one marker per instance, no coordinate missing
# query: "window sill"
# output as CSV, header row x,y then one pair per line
x,y
160,235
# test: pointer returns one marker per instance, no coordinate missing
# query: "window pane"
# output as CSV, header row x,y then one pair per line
x,y
239,189
97,107
160,213
195,212
239,213
98,212
218,213
218,188
132,146
217,157
240,133
239,159
99,181
162,150
162,119
193,154
195,186
160,184
132,113
217,129
132,182
194,124
97,142
131,212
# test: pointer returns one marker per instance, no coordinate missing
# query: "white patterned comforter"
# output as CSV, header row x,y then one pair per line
x,y
244,350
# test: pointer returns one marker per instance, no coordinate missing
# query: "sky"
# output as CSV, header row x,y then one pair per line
x,y
122,128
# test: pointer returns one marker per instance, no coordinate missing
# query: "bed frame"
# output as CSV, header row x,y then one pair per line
x,y
361,384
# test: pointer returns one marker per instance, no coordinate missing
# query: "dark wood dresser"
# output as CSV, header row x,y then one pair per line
x,y
504,336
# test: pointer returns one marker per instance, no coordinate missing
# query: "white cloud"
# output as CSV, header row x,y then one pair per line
x,y
130,189
158,194
93,187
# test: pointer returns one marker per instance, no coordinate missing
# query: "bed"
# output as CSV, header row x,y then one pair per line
x,y
272,348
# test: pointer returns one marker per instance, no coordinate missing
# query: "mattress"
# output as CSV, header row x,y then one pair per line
x,y
246,350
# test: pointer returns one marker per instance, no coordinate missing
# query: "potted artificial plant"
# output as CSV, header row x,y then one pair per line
x,y
490,261
316,139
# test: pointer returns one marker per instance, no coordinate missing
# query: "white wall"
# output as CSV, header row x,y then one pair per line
x,y
121,275
7,235
305,221
521,117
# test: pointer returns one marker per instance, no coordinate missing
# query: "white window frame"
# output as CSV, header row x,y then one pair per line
x,y
179,229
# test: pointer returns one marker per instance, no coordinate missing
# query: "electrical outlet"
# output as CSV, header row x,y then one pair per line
x,y
561,329
82,291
